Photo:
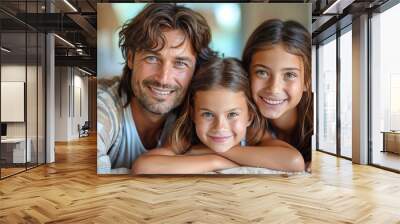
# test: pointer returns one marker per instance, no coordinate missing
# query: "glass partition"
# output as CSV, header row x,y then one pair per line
x,y
385,89
14,154
41,96
31,98
327,96
22,87
346,93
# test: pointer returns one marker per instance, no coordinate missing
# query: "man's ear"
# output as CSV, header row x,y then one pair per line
x,y
130,59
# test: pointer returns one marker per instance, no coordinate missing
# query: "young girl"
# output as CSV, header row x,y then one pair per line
x,y
277,57
216,114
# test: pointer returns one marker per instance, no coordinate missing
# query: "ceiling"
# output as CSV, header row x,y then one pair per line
x,y
330,16
22,21
76,20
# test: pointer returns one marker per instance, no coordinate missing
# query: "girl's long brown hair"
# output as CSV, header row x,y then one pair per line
x,y
296,40
217,73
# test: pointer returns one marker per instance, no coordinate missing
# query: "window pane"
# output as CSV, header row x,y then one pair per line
x,y
327,96
385,86
345,94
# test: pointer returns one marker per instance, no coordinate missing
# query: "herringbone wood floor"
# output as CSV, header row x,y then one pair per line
x,y
69,191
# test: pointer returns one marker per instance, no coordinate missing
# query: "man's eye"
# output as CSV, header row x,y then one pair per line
x,y
151,59
290,75
181,64
207,115
232,115
261,73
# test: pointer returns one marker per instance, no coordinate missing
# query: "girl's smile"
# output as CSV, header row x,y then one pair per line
x,y
277,81
220,138
221,117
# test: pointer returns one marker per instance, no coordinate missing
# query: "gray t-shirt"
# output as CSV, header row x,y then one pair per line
x,y
118,142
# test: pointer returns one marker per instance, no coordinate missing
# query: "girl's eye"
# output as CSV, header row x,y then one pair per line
x,y
232,115
290,75
207,115
261,73
151,59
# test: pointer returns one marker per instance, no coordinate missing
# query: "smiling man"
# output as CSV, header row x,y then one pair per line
x,y
162,46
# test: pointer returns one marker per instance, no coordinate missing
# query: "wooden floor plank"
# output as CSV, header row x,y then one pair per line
x,y
70,191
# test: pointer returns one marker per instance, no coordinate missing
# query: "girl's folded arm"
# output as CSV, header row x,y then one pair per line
x,y
271,154
165,161
199,150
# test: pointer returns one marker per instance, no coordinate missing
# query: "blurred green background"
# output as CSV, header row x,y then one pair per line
x,y
230,23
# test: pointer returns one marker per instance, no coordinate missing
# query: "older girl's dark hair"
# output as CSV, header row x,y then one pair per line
x,y
217,73
296,40
146,32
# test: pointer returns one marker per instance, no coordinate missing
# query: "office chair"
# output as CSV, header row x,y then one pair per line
x,y
84,130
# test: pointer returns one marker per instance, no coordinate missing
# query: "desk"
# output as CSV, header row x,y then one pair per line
x,y
15,148
391,141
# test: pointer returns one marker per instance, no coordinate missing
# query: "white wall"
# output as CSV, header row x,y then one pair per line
x,y
61,103
70,83
12,73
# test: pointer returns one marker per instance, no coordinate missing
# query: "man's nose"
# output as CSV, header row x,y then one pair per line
x,y
164,73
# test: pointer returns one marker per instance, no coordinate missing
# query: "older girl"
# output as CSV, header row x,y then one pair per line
x,y
277,57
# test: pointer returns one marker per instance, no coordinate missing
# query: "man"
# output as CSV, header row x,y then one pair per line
x,y
162,46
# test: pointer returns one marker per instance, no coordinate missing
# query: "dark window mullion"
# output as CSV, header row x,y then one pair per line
x,y
46,35
369,78
37,90
338,98
0,96
26,86
316,95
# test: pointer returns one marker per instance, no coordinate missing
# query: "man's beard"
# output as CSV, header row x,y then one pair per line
x,y
157,106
